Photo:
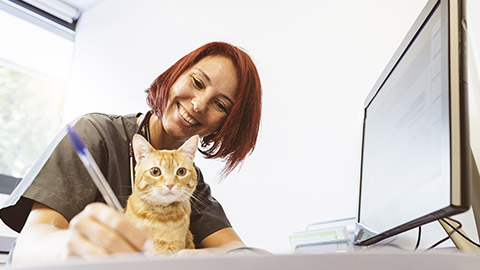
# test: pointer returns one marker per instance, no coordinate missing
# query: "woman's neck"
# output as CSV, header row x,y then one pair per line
x,y
159,138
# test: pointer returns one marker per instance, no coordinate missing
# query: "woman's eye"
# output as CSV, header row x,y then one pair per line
x,y
181,171
198,84
221,106
155,171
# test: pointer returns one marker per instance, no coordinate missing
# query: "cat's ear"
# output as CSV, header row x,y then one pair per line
x,y
141,147
190,146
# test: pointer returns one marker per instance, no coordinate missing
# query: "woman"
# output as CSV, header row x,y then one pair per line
x,y
213,91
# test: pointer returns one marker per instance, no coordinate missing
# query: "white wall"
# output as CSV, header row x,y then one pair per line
x,y
317,60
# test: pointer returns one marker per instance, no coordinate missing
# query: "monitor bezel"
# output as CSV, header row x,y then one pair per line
x,y
460,159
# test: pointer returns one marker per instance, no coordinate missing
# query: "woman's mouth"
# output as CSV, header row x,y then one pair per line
x,y
184,114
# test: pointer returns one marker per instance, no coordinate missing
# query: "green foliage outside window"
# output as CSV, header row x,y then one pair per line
x,y
31,109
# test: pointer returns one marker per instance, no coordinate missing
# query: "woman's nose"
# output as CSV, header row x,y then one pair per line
x,y
199,103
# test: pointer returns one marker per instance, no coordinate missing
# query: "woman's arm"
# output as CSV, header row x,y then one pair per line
x,y
225,238
98,230
216,244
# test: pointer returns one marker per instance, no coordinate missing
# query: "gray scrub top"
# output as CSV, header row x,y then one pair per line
x,y
60,181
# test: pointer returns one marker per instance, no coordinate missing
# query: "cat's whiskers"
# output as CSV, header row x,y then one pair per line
x,y
148,196
186,194
195,206
199,199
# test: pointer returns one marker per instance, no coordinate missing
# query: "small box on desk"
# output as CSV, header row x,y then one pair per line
x,y
325,237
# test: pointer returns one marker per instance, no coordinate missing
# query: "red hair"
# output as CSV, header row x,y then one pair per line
x,y
237,137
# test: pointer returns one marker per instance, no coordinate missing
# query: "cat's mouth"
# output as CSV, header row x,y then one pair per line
x,y
162,199
172,196
186,116
169,193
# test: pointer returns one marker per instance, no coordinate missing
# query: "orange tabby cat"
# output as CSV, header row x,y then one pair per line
x,y
164,182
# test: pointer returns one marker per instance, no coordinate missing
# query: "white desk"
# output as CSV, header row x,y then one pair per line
x,y
350,261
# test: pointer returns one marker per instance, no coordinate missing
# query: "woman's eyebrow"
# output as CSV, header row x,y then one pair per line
x,y
204,74
228,99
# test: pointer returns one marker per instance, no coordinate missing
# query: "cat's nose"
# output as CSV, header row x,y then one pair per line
x,y
170,186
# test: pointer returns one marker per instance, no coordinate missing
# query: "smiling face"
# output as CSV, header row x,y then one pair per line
x,y
201,98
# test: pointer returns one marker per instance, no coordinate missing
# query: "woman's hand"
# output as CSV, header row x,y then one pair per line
x,y
97,230
101,230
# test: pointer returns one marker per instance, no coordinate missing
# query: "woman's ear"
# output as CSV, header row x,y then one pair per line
x,y
190,147
141,147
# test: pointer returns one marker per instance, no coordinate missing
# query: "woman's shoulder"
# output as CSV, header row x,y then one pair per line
x,y
104,121
104,118
105,129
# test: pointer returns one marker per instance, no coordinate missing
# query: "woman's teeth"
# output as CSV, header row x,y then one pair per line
x,y
186,117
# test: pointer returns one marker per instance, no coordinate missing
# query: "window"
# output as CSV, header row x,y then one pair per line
x,y
34,71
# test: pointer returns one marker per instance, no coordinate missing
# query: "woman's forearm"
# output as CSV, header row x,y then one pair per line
x,y
41,243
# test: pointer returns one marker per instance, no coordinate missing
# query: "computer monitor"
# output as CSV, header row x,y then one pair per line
x,y
416,159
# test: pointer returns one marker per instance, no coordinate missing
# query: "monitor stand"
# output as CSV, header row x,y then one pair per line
x,y
460,242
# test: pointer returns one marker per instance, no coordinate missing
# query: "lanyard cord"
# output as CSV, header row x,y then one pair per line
x,y
144,128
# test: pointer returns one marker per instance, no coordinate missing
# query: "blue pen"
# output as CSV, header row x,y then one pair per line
x,y
93,170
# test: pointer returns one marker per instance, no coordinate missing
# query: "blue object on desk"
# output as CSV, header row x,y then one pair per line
x,y
93,169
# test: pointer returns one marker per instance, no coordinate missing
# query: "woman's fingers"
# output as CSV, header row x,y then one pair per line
x,y
101,235
78,245
106,228
137,237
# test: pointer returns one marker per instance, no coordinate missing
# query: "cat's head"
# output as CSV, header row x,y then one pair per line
x,y
164,176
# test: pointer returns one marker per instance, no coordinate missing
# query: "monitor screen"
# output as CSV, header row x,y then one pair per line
x,y
415,137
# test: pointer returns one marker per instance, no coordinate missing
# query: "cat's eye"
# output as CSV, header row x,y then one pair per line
x,y
155,171
181,171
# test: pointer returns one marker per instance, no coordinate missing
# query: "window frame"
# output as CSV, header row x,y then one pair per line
x,y
40,18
